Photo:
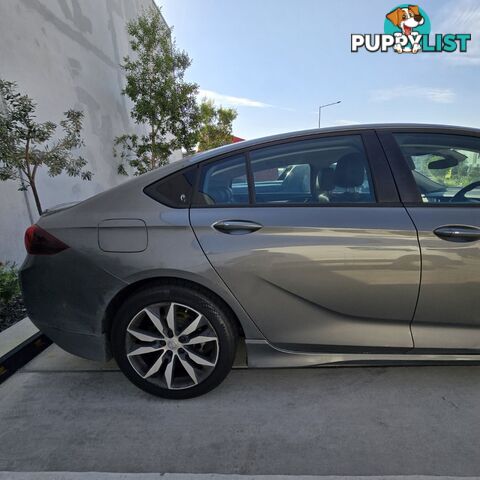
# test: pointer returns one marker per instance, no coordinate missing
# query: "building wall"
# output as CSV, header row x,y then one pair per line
x,y
66,54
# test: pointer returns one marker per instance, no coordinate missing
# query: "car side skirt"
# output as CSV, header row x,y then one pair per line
x,y
261,354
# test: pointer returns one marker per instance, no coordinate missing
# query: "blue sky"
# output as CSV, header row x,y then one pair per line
x,y
275,61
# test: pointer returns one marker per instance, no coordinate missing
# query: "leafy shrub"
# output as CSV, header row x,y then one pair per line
x,y
9,285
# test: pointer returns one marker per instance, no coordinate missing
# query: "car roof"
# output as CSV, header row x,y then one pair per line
x,y
315,131
173,167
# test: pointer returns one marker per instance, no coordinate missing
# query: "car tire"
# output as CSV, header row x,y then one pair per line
x,y
148,345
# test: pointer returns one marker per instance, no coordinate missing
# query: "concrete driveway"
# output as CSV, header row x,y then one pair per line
x,y
61,413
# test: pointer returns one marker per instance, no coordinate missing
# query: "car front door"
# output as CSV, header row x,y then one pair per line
x,y
309,235
439,173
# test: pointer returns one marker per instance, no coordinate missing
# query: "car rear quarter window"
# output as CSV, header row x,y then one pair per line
x,y
176,190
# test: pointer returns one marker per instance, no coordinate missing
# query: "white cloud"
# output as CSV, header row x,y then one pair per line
x,y
231,101
436,95
460,16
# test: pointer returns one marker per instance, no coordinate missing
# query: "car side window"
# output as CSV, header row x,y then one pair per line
x,y
446,168
175,190
319,171
223,183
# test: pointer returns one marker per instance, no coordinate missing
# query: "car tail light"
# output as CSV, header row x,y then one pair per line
x,y
40,242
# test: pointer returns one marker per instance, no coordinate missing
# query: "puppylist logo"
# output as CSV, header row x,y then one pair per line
x,y
407,30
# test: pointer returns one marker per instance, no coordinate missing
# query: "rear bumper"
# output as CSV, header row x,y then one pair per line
x,y
66,297
93,347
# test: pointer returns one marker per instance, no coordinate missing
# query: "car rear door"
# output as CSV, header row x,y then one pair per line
x,y
325,264
438,174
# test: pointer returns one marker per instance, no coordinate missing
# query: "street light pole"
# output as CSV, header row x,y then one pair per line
x,y
320,111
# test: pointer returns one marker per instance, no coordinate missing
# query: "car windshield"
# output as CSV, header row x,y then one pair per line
x,y
442,175
446,168
436,168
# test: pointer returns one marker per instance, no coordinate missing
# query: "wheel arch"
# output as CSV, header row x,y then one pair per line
x,y
138,285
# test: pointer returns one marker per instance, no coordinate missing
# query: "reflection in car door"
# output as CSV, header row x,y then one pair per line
x,y
342,275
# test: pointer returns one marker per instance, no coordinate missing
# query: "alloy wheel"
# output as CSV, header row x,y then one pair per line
x,y
172,345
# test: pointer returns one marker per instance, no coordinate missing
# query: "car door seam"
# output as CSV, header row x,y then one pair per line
x,y
416,233
420,276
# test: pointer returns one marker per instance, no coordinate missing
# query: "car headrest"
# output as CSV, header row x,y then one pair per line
x,y
350,171
221,194
325,179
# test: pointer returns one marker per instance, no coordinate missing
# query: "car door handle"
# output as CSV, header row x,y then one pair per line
x,y
458,233
236,227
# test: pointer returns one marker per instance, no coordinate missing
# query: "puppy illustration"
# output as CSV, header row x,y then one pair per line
x,y
407,19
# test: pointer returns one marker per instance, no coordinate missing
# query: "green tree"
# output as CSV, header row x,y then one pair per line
x,y
215,125
26,145
163,102
9,284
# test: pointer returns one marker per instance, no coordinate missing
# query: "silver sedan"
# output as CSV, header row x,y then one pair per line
x,y
343,245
